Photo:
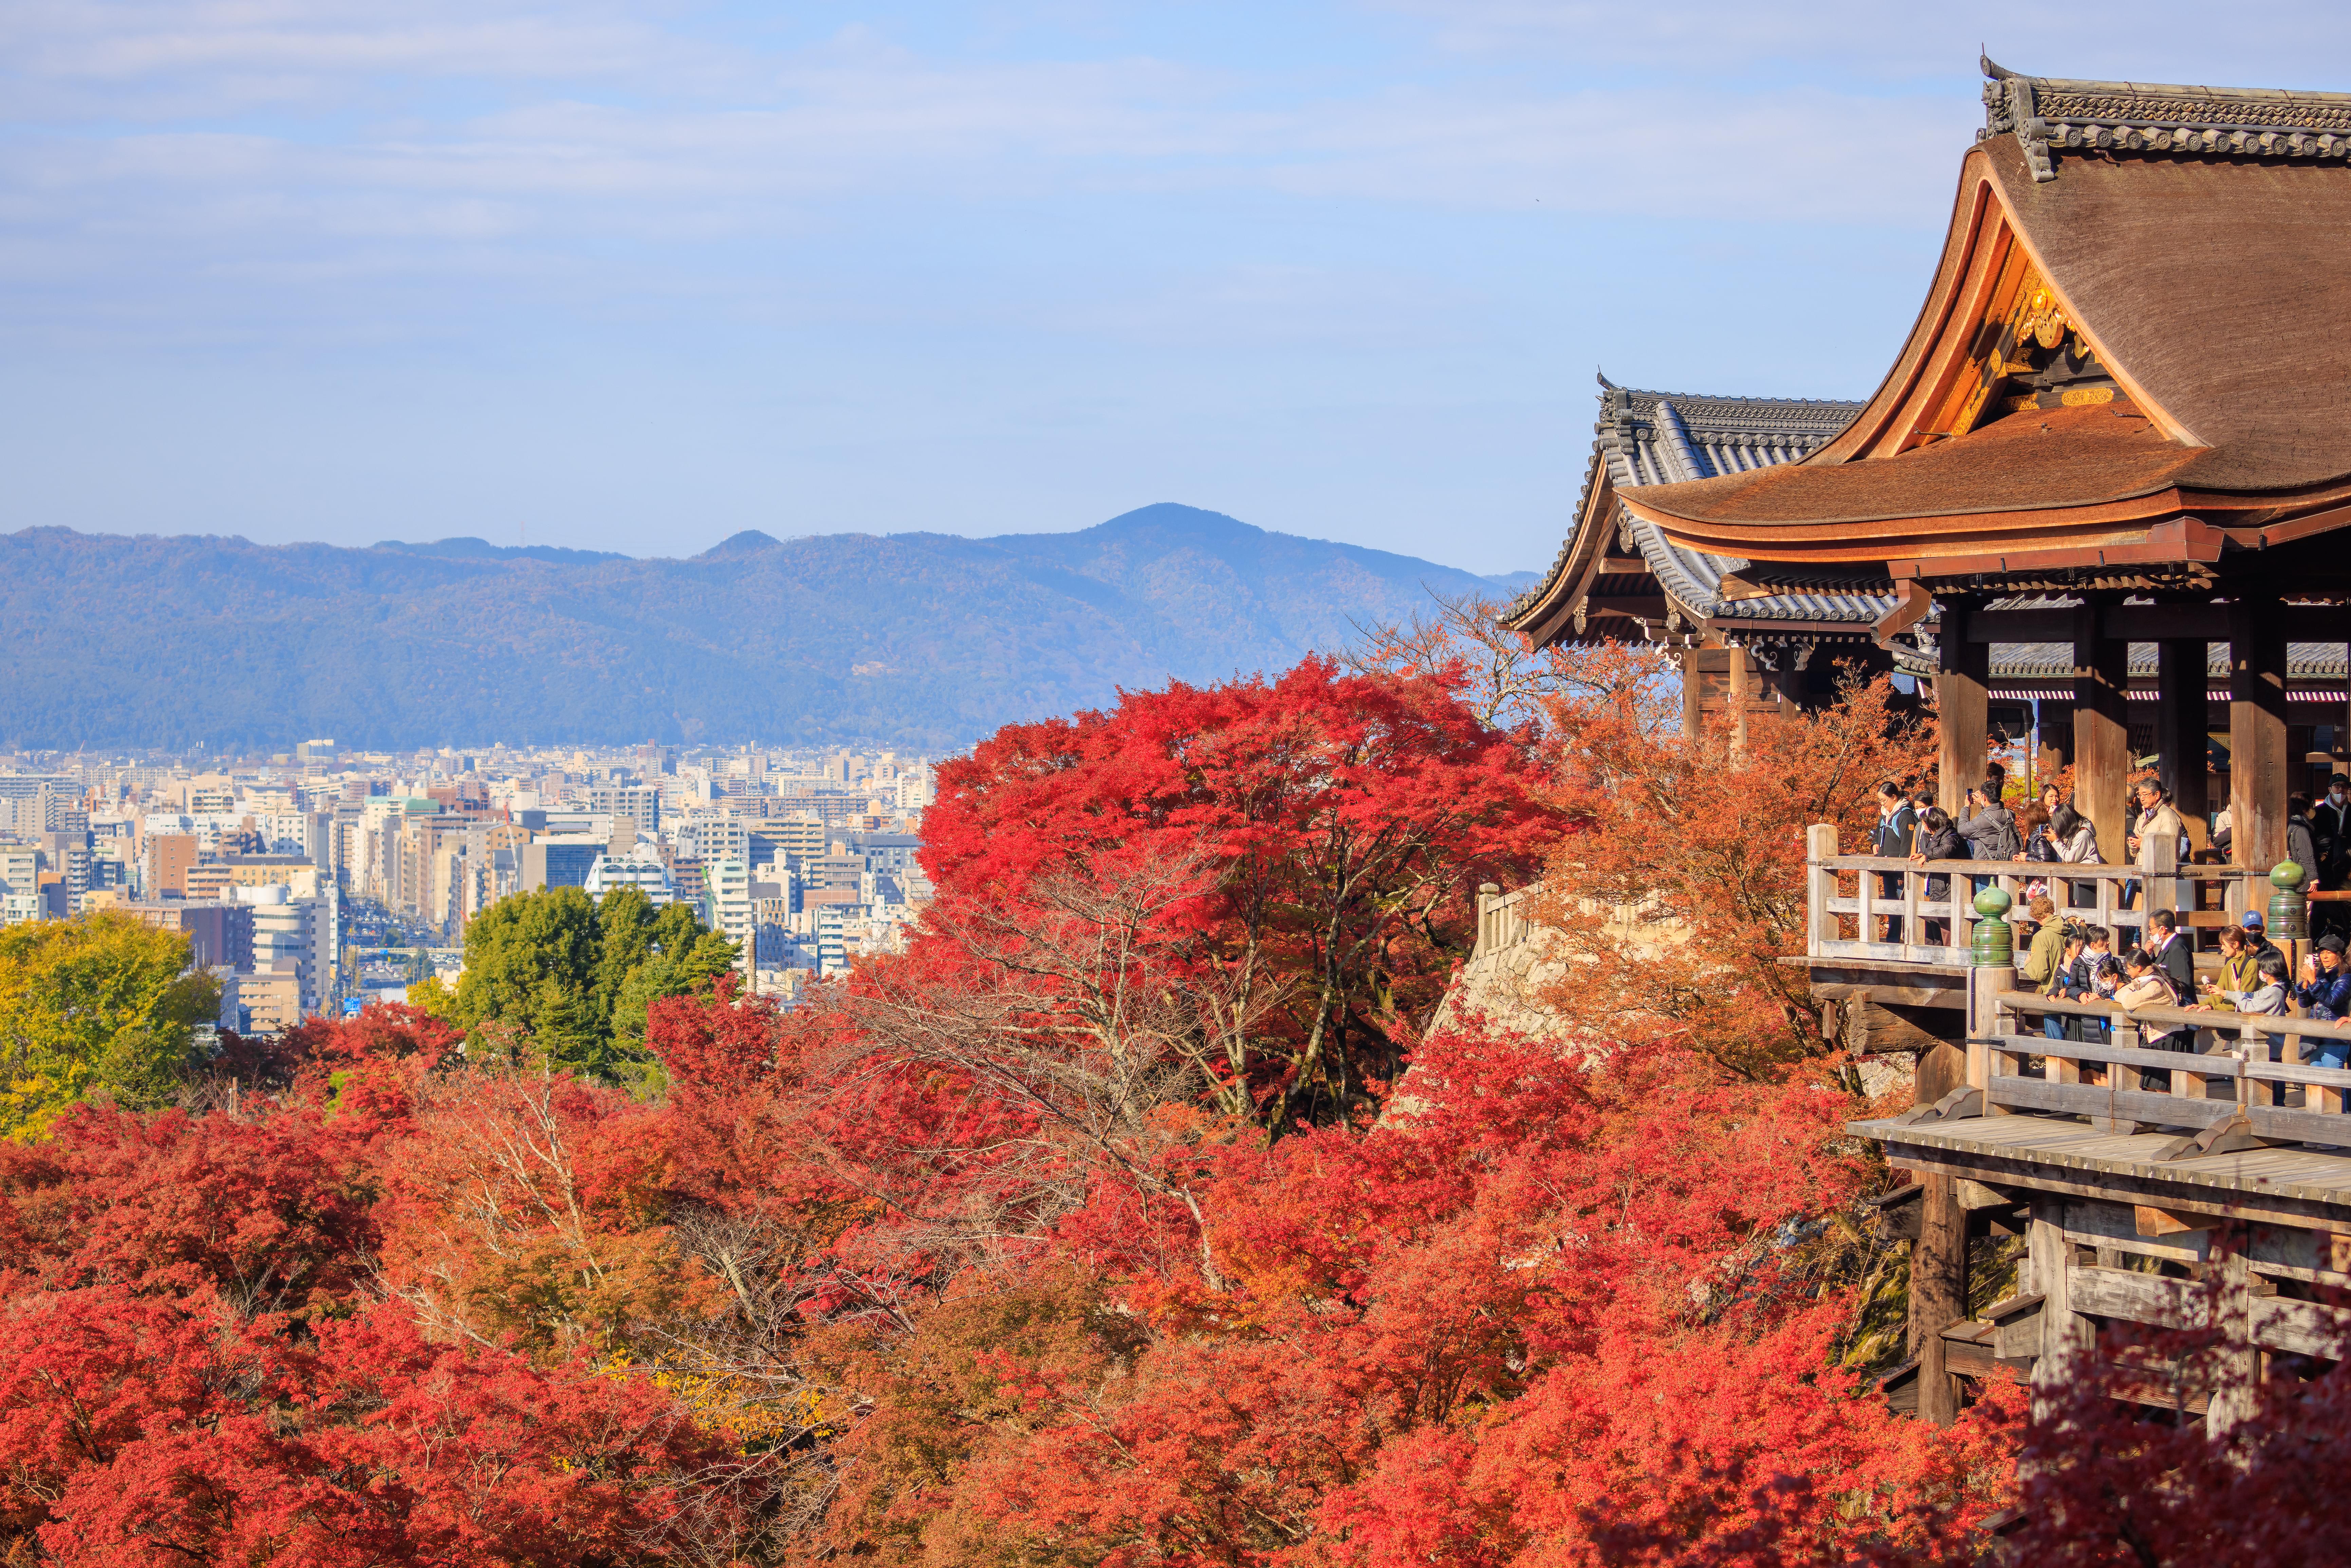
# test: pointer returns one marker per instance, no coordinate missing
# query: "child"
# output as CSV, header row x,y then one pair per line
x,y
2069,978
2271,996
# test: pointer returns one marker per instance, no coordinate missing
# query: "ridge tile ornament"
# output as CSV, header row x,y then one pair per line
x,y
2049,115
2289,918
1993,945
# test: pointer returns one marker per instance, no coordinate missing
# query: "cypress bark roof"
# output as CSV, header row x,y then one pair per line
x,y
2137,321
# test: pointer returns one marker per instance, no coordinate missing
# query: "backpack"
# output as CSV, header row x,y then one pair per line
x,y
2005,847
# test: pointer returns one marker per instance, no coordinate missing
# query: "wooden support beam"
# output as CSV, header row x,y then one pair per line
x,y
1872,1028
1939,1253
1742,693
2020,626
2257,756
2101,729
2066,1335
1688,658
2156,622
1938,1293
2182,685
2152,1221
1960,696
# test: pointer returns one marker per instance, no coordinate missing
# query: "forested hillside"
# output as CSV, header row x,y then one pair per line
x,y
922,640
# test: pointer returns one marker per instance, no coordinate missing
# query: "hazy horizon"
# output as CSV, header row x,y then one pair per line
x,y
503,550
313,269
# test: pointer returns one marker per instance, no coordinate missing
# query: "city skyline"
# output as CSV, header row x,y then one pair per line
x,y
318,882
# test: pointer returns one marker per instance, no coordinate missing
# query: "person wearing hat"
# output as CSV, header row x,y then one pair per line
x,y
2326,996
2257,937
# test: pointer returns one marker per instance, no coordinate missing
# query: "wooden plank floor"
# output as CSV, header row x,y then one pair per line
x,y
2309,1174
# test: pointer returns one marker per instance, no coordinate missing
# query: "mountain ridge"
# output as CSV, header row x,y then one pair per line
x,y
926,641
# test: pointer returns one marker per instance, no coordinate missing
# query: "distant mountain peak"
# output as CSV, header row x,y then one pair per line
x,y
925,643
1175,515
748,542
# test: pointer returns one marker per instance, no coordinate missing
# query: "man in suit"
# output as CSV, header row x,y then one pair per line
x,y
2172,950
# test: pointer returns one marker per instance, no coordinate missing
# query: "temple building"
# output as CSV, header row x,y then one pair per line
x,y
1619,576
2108,468
1742,649
2127,394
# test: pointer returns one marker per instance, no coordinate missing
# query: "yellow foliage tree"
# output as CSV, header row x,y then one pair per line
x,y
432,995
96,1004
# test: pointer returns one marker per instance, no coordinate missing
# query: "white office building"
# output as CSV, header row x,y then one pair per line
x,y
641,869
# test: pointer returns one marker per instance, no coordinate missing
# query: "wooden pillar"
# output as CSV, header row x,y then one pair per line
x,y
2182,682
1939,1258
1938,1292
2066,1336
2101,729
2258,769
1742,693
1690,703
2237,1363
1963,673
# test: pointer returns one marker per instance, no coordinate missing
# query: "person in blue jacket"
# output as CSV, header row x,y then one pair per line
x,y
2325,995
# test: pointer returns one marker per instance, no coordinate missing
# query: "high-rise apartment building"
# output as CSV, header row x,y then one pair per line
x,y
299,931
729,909
169,858
640,803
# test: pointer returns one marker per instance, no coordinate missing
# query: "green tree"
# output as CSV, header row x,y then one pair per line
x,y
691,964
100,1004
525,952
573,978
626,926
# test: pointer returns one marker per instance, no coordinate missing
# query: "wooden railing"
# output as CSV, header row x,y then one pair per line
x,y
1857,904
1502,918
2243,1076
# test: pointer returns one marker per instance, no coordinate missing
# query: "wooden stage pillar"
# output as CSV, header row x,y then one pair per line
x,y
2101,727
1742,697
2182,681
1691,703
2066,1336
1963,674
1939,1258
2258,769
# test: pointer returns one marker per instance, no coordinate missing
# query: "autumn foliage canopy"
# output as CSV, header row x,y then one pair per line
x,y
1136,1215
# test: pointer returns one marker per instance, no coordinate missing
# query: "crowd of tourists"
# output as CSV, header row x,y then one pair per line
x,y
2067,958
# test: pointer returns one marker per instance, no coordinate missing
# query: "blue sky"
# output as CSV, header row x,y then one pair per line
x,y
637,277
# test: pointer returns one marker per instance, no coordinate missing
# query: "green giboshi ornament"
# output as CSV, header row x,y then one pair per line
x,y
1992,946
2289,910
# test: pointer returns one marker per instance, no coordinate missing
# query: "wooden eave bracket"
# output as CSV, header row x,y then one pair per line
x,y
2232,1136
1912,604
1960,1105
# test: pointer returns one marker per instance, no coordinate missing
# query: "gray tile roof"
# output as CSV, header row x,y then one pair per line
x,y
2050,117
2054,662
1657,438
